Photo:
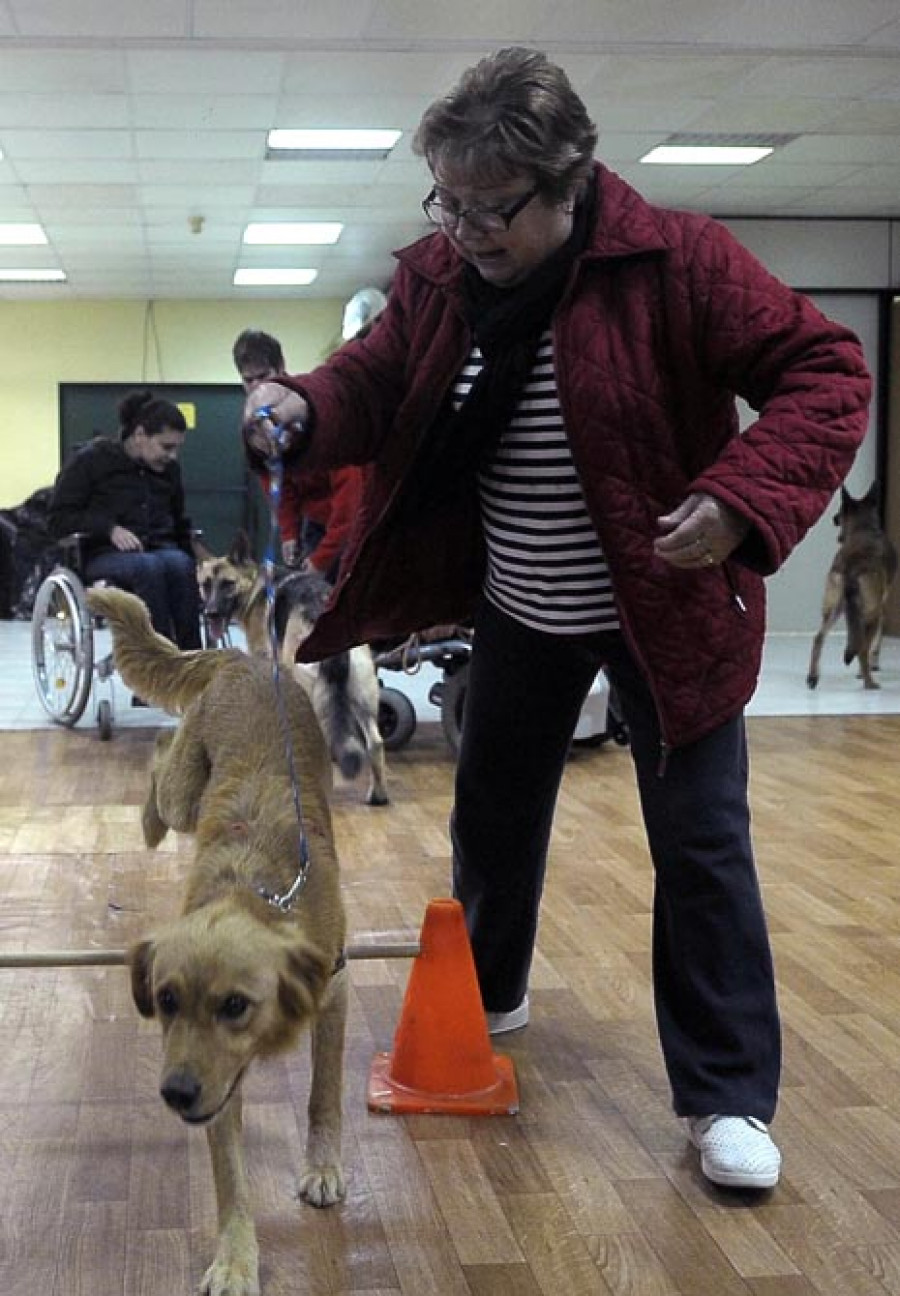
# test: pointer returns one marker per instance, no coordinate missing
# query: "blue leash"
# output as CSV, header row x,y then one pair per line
x,y
275,470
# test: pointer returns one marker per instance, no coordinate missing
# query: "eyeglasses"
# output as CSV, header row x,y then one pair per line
x,y
487,220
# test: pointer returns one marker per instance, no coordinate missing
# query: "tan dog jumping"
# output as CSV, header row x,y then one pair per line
x,y
238,975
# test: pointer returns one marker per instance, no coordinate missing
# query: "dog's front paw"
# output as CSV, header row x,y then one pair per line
x,y
234,1272
322,1185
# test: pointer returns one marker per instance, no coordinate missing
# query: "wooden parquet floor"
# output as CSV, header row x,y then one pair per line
x,y
591,1189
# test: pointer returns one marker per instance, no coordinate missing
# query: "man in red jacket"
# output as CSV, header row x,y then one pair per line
x,y
317,510
548,406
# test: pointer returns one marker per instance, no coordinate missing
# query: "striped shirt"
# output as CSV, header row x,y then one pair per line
x,y
545,565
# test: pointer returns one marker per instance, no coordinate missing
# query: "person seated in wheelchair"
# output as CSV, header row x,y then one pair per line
x,y
126,500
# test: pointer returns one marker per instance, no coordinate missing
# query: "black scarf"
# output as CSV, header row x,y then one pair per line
x,y
507,325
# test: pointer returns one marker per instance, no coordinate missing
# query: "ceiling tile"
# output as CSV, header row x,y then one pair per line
x,y
121,121
161,19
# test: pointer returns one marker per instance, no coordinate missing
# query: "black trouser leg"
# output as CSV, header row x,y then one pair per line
x,y
712,966
713,978
523,698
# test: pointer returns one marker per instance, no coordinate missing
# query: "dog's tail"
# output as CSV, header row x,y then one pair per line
x,y
149,664
854,614
341,729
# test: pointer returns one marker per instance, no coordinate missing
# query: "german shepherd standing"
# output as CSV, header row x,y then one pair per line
x,y
249,963
857,585
344,689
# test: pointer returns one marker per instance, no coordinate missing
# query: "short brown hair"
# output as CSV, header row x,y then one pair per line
x,y
254,347
513,111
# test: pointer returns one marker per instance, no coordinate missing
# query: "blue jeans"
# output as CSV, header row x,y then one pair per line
x,y
713,977
166,580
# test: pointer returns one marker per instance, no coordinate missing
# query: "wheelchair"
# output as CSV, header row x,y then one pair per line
x,y
68,669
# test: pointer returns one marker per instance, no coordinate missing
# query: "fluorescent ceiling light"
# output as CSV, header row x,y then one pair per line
x,y
706,154
327,141
294,232
32,276
21,234
273,277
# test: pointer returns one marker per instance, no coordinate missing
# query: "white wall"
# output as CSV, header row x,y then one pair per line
x,y
818,256
795,592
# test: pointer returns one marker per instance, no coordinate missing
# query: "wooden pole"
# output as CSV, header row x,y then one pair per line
x,y
116,958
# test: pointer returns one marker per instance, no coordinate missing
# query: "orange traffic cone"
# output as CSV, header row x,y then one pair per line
x,y
442,1059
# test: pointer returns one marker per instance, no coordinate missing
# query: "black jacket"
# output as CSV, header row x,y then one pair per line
x,y
102,487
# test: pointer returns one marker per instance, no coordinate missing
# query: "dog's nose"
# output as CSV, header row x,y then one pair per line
x,y
180,1091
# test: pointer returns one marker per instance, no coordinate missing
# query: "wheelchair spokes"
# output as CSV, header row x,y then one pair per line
x,y
62,647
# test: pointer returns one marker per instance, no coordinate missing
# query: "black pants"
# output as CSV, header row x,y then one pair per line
x,y
712,967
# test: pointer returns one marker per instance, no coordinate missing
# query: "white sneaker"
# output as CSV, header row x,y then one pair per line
x,y
735,1151
498,1023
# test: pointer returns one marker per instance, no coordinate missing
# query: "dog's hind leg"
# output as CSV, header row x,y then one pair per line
x,y
862,627
322,1182
832,606
364,702
875,648
865,667
878,633
377,794
154,825
868,650
235,1269
182,776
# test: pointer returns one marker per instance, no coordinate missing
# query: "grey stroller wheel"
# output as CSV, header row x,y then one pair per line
x,y
396,718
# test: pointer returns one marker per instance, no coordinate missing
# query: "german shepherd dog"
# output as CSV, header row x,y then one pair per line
x,y
248,964
344,689
857,585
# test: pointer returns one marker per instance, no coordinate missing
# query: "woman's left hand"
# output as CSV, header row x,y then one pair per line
x,y
701,532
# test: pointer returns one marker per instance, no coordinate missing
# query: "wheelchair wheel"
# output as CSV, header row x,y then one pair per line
x,y
453,698
396,718
62,647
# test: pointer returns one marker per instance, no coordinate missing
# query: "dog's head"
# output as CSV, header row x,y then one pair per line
x,y
226,988
225,583
857,514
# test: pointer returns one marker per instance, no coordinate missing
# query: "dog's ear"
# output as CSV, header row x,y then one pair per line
x,y
199,549
302,981
140,961
240,549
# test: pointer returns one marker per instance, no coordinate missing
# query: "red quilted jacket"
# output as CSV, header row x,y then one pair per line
x,y
665,319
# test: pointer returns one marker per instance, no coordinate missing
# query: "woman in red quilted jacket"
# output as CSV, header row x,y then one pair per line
x,y
548,407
